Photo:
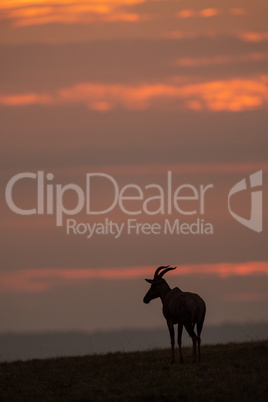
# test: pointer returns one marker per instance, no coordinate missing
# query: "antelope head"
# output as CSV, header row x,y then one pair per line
x,y
158,284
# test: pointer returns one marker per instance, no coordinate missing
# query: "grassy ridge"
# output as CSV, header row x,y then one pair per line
x,y
234,372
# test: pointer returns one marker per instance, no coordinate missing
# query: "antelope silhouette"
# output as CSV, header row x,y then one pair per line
x,y
182,308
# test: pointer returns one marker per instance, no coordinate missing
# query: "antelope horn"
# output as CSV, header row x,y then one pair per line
x,y
159,269
166,270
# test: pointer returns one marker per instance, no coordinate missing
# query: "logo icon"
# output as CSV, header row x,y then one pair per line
x,y
255,221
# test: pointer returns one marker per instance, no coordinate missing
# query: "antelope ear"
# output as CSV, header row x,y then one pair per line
x,y
149,280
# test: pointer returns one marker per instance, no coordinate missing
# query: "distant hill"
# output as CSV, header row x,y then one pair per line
x,y
23,346
233,372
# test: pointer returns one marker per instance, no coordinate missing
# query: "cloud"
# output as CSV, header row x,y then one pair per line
x,y
186,13
230,95
182,35
33,12
208,12
219,60
26,99
205,13
42,280
237,11
251,36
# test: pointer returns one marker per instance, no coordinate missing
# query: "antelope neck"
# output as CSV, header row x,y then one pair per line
x,y
164,291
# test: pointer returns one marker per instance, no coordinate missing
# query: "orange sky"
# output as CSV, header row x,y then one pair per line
x,y
46,278
232,95
133,88
27,12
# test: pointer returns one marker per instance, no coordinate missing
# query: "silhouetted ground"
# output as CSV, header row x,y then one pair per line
x,y
232,372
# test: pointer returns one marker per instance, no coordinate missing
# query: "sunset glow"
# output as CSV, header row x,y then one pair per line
x,y
238,11
186,13
44,279
27,12
233,95
253,36
117,117
209,12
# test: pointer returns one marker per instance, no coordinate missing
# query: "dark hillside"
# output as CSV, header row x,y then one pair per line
x,y
234,372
